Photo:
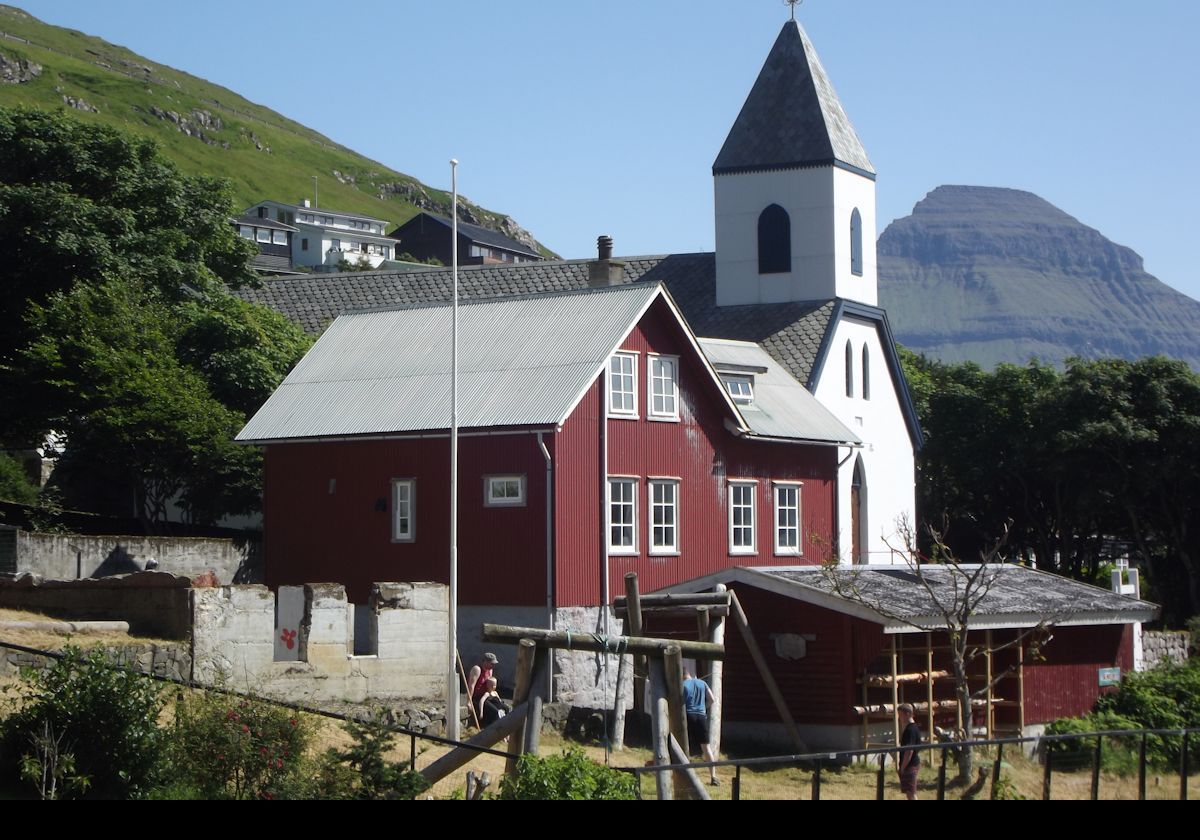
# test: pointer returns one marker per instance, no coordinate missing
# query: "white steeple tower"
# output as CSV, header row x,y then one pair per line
x,y
795,191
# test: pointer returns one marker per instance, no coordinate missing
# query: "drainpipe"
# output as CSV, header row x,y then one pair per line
x,y
549,555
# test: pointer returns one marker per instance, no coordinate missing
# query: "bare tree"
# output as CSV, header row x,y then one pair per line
x,y
955,595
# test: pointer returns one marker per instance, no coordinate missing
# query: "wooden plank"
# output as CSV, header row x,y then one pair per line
x,y
714,599
676,612
885,680
739,617
567,640
526,657
680,757
486,737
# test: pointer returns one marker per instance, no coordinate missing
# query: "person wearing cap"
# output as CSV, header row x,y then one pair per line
x,y
479,675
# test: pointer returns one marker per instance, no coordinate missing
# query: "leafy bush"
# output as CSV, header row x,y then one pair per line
x,y
15,485
570,775
1117,755
101,720
227,747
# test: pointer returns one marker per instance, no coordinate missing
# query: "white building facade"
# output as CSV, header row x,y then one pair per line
x,y
324,238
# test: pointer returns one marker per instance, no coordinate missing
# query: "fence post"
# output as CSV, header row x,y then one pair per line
x,y
941,792
1096,757
736,794
816,782
1183,767
1048,772
1142,769
879,779
412,752
996,770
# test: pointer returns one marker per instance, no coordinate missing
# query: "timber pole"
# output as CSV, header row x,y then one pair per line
x,y
568,640
660,728
677,714
526,657
717,681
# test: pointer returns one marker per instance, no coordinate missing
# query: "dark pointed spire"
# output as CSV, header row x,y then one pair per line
x,y
792,118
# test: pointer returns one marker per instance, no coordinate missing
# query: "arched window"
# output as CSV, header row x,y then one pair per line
x,y
866,374
849,370
856,243
774,241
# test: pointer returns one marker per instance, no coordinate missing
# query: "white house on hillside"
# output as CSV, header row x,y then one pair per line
x,y
325,237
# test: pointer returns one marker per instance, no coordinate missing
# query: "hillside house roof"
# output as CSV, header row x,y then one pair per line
x,y
475,233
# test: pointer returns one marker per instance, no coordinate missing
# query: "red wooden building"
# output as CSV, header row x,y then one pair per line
x,y
596,438
843,664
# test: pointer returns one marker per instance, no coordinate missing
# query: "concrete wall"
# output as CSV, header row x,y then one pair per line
x,y
234,644
75,556
154,603
172,661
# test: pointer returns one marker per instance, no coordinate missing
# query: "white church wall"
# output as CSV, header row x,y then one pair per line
x,y
853,192
887,451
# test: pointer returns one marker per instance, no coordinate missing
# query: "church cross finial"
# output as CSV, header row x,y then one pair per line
x,y
793,4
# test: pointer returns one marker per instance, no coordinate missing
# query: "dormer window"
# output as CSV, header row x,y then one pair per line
x,y
740,387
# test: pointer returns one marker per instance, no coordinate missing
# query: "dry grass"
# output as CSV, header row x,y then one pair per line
x,y
45,640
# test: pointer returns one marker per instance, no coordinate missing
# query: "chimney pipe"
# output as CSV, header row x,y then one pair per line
x,y
604,270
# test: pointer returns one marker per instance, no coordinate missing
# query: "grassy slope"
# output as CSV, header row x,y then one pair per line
x,y
124,87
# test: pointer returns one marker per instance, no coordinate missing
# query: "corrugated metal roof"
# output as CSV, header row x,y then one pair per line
x,y
522,362
782,407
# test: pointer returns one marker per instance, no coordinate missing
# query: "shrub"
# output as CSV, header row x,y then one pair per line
x,y
377,778
15,485
226,747
1117,755
103,720
570,775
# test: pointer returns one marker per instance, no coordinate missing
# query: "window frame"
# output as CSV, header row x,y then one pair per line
x,y
653,359
624,414
632,483
664,550
786,550
734,485
729,379
491,500
400,535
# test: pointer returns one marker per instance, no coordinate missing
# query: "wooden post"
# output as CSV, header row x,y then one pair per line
x,y
896,695
660,727
673,671
929,682
619,703
1097,758
526,657
634,620
996,770
678,756
739,617
880,778
574,640
717,684
487,737
989,711
703,633
1048,772
533,726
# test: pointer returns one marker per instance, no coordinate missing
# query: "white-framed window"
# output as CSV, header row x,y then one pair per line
x,y
787,519
279,237
622,515
742,517
262,235
504,490
740,387
404,510
622,385
246,232
664,388
664,516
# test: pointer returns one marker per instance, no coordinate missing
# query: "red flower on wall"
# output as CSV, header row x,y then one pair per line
x,y
288,637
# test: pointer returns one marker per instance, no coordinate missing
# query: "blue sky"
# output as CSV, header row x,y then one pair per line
x,y
581,118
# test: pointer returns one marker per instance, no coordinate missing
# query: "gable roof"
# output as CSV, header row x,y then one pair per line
x,y
782,407
523,361
792,118
266,224
475,233
1018,597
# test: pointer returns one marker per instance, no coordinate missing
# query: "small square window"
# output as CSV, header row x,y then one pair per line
x,y
263,235
740,388
279,237
504,490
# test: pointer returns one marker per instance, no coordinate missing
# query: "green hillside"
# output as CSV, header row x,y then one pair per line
x,y
207,129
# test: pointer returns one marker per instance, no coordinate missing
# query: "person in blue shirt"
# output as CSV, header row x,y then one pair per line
x,y
697,697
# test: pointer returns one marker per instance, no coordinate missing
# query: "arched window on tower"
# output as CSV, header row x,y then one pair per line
x,y
849,369
774,241
856,254
866,374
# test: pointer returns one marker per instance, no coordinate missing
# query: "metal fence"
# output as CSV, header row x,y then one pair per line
x,y
1065,754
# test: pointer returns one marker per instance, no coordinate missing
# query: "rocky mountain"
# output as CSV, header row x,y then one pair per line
x,y
998,275
210,130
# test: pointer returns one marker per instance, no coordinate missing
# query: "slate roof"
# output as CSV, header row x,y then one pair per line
x,y
1018,596
792,117
791,332
522,361
266,224
475,233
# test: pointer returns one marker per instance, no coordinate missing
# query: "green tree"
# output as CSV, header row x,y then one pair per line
x,y
117,325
